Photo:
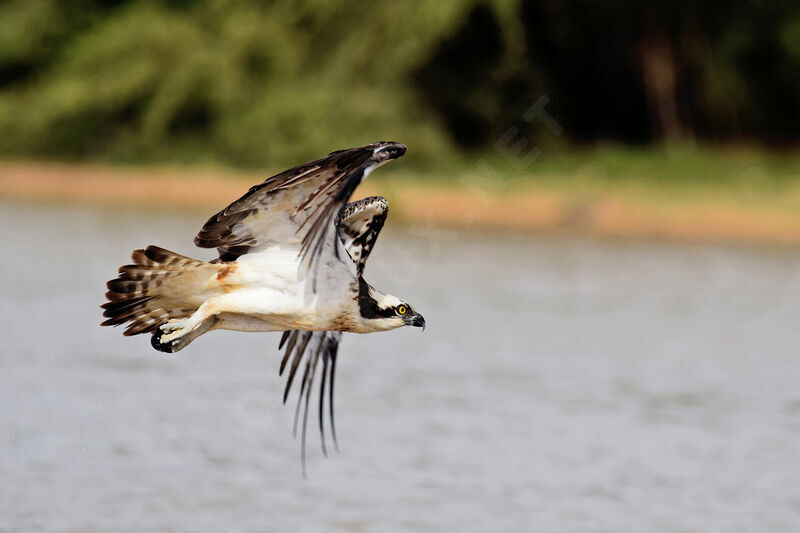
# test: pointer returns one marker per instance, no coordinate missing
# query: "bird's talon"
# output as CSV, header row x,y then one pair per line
x,y
173,324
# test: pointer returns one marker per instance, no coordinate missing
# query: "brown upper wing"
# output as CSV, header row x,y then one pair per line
x,y
296,207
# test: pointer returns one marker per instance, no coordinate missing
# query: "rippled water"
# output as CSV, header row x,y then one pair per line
x,y
562,385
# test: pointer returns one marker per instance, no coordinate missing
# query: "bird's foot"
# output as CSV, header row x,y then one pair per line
x,y
174,330
178,333
173,324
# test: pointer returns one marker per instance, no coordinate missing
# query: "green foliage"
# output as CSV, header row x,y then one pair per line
x,y
244,82
252,82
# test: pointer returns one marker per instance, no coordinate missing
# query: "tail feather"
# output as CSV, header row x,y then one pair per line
x,y
157,287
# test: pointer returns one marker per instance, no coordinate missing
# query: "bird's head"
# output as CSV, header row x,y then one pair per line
x,y
381,311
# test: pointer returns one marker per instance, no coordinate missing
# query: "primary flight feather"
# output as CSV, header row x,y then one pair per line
x,y
291,259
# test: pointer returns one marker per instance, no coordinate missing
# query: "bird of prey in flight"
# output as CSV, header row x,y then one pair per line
x,y
291,258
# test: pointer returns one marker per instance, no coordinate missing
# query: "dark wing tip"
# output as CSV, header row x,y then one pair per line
x,y
390,150
376,152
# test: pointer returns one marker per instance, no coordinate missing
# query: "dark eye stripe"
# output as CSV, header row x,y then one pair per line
x,y
368,306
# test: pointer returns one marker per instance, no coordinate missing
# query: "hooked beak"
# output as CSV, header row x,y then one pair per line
x,y
417,321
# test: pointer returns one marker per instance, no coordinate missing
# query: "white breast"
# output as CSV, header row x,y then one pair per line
x,y
271,291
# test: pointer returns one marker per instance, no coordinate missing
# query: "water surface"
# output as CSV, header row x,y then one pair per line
x,y
562,385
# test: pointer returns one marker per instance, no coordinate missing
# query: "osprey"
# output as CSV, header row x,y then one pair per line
x,y
291,258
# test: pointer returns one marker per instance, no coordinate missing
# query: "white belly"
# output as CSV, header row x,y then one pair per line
x,y
270,292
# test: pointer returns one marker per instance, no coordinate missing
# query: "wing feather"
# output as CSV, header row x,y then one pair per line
x,y
358,225
315,345
298,208
295,208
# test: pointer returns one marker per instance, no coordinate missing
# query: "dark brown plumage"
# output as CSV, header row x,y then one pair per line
x,y
310,195
156,287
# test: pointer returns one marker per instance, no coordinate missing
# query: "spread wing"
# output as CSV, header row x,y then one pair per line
x,y
317,345
296,207
358,224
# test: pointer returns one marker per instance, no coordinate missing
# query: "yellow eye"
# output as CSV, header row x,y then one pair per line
x,y
402,309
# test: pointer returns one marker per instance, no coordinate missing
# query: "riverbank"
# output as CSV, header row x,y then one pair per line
x,y
738,211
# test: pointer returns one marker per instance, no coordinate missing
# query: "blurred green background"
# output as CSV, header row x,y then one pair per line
x,y
250,83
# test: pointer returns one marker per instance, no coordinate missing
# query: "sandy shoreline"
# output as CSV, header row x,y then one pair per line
x,y
539,209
